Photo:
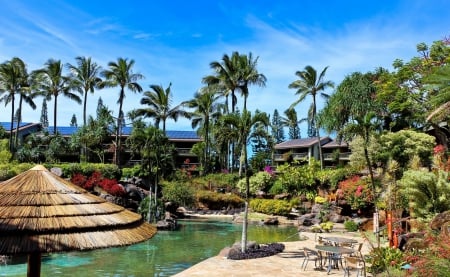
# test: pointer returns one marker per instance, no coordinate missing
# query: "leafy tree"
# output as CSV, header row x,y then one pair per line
x,y
44,114
206,111
311,84
156,152
277,127
12,80
290,120
249,75
159,102
85,79
243,124
51,82
121,74
73,121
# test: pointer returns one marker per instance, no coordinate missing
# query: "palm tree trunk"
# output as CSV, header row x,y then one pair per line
x,y
119,129
19,119
12,125
84,148
247,193
54,114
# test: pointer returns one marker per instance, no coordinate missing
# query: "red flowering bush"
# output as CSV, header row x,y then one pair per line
x,y
96,179
355,191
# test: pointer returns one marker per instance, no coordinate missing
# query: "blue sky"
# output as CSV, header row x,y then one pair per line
x,y
174,41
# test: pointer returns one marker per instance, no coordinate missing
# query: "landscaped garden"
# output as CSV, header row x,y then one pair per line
x,y
395,125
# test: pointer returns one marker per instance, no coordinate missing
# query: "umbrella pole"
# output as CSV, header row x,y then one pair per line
x,y
34,265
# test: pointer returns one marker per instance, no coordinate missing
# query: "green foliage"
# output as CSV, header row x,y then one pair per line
x,y
428,192
297,178
181,194
327,226
5,155
218,201
130,172
320,200
381,258
332,177
109,171
222,180
9,170
271,206
157,209
258,182
351,226
403,145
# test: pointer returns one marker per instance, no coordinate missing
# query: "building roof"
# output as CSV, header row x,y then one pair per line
x,y
7,125
335,144
301,143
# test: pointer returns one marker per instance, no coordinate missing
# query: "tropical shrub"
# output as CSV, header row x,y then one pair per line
x,y
320,200
327,226
381,258
261,181
351,226
217,201
9,170
109,171
96,179
271,206
355,191
181,194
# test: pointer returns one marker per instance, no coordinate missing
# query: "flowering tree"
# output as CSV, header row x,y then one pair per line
x,y
355,191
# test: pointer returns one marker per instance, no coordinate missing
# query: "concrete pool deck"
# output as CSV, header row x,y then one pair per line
x,y
286,263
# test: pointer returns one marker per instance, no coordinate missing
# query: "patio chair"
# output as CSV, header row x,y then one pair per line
x,y
311,255
354,262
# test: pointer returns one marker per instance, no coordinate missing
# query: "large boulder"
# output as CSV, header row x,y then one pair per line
x,y
439,220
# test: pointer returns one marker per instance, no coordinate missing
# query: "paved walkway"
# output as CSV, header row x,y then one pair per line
x,y
287,263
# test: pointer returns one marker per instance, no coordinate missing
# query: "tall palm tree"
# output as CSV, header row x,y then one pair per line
x,y
12,78
290,120
159,102
311,84
51,82
27,95
225,77
121,74
85,77
206,110
249,75
243,124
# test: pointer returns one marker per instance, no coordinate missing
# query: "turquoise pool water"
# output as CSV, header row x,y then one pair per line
x,y
166,254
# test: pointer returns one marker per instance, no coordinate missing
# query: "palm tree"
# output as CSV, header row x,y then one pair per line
x,y
12,79
26,94
206,110
121,74
249,75
85,78
243,124
309,84
51,82
291,122
160,106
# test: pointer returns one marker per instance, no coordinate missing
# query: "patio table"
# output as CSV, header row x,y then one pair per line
x,y
339,241
331,250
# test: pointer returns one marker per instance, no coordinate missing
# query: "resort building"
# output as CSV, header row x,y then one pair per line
x,y
304,149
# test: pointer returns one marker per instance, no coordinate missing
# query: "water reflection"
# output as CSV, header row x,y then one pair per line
x,y
166,254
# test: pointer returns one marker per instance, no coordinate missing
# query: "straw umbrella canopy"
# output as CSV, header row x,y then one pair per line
x,y
43,213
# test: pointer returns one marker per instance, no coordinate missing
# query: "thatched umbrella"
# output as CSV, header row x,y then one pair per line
x,y
43,213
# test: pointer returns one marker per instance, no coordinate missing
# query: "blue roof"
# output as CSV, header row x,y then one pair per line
x,y
7,125
63,131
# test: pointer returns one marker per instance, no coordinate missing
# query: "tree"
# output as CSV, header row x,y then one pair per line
x,y
85,78
249,75
12,78
277,127
309,84
291,122
157,153
206,111
73,121
51,82
243,124
159,102
121,74
44,114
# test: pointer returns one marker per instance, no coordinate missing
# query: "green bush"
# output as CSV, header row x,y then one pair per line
x,y
320,200
327,226
350,226
179,193
270,206
260,181
109,171
9,170
217,201
383,257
